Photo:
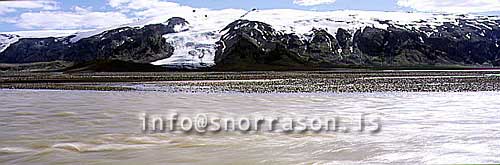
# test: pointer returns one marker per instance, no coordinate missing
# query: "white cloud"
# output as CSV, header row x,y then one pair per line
x,y
7,20
12,6
126,11
148,8
313,2
79,18
452,6
117,3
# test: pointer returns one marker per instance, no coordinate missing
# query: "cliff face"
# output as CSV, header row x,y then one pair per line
x,y
140,45
256,43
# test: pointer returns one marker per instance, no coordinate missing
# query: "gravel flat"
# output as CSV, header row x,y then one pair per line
x,y
263,82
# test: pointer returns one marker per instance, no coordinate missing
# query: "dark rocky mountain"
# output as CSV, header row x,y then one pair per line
x,y
256,43
140,45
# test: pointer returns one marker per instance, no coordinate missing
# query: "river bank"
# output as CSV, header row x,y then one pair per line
x,y
338,81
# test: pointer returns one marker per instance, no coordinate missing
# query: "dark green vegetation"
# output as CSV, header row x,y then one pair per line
x,y
262,82
36,66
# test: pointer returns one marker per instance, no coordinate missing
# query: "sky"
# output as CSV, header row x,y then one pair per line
x,y
90,14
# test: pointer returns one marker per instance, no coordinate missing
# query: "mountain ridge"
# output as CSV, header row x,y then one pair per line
x,y
319,39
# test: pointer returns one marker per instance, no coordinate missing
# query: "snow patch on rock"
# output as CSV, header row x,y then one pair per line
x,y
8,38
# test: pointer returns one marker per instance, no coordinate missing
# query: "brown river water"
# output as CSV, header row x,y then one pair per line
x,y
91,127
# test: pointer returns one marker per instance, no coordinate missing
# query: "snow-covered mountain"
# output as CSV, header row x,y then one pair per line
x,y
196,42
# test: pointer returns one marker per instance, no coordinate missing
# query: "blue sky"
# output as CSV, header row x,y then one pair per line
x,y
88,14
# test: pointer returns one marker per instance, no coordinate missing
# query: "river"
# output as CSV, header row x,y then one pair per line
x,y
92,127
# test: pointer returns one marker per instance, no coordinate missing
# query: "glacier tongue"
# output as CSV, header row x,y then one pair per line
x,y
195,43
191,50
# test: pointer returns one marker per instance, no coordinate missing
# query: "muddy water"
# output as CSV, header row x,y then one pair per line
x,y
90,127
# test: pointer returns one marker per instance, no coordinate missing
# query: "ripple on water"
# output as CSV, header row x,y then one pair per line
x,y
13,150
21,113
63,114
82,147
145,140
